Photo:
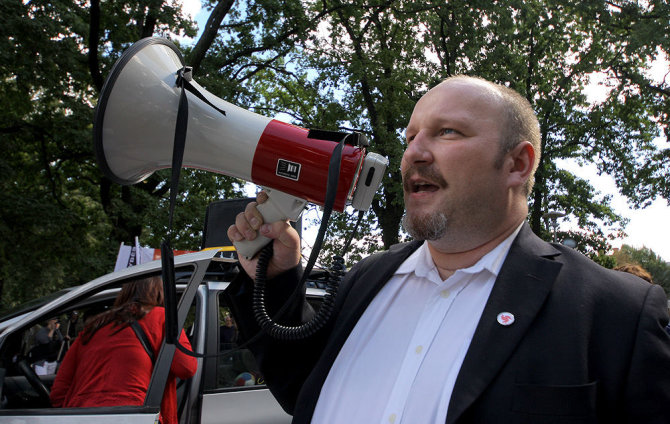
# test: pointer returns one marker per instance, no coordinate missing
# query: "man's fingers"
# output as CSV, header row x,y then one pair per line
x,y
261,197
283,232
249,224
233,234
243,230
253,216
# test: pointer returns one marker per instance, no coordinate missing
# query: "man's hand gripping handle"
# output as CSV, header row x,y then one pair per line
x,y
279,207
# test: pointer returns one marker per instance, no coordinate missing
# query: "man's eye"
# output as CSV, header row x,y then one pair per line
x,y
447,131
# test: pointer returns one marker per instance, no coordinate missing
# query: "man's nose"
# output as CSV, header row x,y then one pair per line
x,y
418,150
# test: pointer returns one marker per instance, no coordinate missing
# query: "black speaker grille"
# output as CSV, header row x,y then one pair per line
x,y
220,215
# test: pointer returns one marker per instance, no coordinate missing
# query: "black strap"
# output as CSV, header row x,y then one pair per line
x,y
190,87
167,258
181,127
178,149
331,191
144,340
167,254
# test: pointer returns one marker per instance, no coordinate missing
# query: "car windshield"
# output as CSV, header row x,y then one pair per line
x,y
12,311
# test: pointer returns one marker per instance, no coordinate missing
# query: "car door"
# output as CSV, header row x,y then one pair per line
x,y
233,389
24,394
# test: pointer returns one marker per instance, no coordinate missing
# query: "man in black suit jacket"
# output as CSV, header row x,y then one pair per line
x,y
556,338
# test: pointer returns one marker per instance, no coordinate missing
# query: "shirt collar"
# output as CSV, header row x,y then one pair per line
x,y
421,263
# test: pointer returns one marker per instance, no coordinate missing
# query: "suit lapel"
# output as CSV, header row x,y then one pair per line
x,y
521,288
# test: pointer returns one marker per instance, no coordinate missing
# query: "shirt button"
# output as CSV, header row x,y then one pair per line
x,y
392,418
445,293
418,349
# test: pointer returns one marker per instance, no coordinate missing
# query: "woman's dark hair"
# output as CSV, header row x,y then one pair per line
x,y
136,299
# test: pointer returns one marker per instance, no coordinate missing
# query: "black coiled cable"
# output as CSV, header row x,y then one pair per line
x,y
283,332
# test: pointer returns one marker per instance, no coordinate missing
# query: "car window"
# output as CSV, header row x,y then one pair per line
x,y
41,347
236,367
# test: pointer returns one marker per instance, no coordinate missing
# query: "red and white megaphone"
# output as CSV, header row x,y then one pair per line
x,y
135,125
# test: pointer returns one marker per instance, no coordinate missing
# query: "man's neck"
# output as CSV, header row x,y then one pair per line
x,y
447,263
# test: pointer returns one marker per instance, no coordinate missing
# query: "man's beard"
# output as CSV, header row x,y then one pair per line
x,y
430,226
424,226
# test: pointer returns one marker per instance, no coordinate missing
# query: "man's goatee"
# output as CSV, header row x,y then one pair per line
x,y
425,227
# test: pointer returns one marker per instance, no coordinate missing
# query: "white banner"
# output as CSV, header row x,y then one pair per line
x,y
128,256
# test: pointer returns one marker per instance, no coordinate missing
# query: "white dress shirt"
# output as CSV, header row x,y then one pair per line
x,y
400,362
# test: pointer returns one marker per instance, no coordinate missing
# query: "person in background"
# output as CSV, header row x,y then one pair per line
x,y
72,327
48,342
107,364
642,273
227,333
50,332
477,320
636,270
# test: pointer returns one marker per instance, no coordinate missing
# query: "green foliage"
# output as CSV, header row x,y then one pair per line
x,y
376,58
604,260
356,65
61,222
49,221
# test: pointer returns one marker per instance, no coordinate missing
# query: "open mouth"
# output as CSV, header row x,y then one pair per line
x,y
423,180
422,187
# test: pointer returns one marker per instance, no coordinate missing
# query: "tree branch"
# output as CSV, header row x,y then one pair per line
x,y
93,41
209,33
278,39
149,24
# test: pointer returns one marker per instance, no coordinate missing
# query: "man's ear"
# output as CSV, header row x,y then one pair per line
x,y
520,162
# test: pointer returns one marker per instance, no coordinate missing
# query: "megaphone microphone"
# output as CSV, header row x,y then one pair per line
x,y
135,125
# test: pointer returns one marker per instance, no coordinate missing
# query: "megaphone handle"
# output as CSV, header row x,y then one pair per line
x,y
278,207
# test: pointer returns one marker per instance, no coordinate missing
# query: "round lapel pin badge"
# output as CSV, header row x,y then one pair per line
x,y
505,318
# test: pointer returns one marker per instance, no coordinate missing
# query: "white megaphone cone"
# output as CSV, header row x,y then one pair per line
x,y
135,125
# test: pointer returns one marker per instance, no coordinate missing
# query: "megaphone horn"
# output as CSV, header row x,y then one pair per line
x,y
135,124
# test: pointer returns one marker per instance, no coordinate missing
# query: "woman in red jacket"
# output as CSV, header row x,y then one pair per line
x,y
107,364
